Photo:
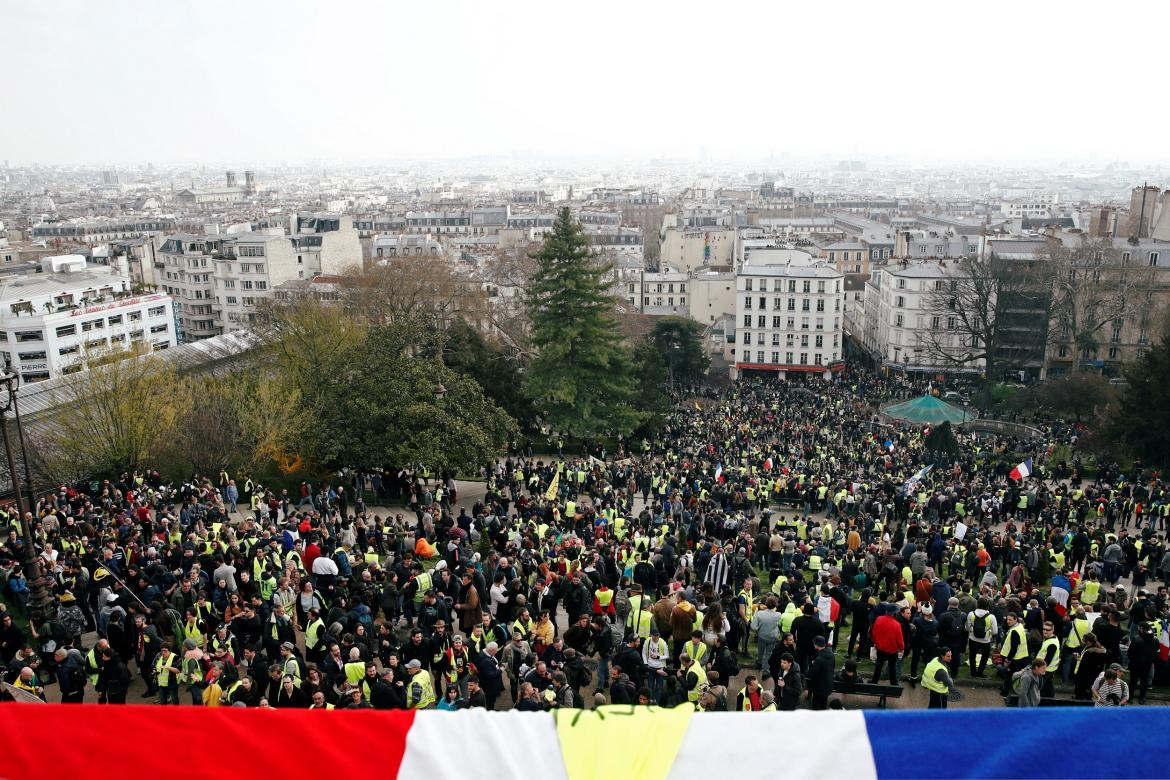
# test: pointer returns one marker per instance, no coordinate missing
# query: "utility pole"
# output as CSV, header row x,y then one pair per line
x,y
38,595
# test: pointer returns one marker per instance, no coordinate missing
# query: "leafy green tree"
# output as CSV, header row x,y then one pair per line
x,y
1142,418
650,373
679,341
582,379
466,351
379,405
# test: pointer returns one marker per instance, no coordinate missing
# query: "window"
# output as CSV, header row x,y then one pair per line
x,y
747,284
68,350
156,311
1114,353
901,284
952,323
116,320
231,300
229,284
790,340
66,330
95,343
251,251
760,356
775,357
159,328
31,355
817,359
804,304
807,286
804,340
775,322
821,304
135,316
819,342
747,318
898,321
1153,258
804,323
791,285
900,302
682,287
775,339
788,358
791,304
245,285
1125,257
760,338
1115,336
804,358
791,323
777,304
747,302
820,323
261,285
29,335
935,323
761,321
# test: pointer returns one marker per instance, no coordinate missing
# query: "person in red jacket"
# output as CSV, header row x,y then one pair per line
x,y
889,643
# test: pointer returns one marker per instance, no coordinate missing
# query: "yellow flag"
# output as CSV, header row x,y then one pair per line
x,y
640,743
551,494
697,407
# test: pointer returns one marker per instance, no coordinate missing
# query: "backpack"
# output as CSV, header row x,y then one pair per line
x,y
957,560
979,625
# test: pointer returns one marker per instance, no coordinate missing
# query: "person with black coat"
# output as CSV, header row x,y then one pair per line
x,y
859,635
388,693
629,660
820,675
789,685
113,679
805,628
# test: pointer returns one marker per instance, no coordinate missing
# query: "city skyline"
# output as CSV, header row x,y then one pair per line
x,y
367,83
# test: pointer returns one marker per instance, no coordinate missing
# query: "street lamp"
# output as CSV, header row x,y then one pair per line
x,y
39,597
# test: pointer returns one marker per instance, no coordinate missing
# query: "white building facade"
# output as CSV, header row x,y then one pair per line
x,y
51,321
788,314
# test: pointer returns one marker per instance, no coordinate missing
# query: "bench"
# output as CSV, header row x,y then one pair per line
x,y
881,690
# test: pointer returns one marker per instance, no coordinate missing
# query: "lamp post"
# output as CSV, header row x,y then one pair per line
x,y
39,597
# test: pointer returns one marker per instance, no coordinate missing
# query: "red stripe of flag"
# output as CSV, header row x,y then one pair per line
x,y
64,740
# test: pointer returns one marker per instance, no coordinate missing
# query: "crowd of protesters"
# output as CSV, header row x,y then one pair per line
x,y
770,544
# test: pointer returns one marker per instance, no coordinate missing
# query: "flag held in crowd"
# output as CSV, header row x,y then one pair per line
x,y
1022,471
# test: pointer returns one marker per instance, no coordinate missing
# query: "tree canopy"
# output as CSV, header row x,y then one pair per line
x,y
581,379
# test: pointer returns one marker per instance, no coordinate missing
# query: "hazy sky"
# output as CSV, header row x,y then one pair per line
x,y
115,81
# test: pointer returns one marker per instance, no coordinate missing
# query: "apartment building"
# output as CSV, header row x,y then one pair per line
x,y
218,280
51,320
788,314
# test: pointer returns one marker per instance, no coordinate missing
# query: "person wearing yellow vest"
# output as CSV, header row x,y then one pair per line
x,y
1074,642
696,649
750,699
603,602
936,678
1014,650
1050,652
315,637
166,674
693,677
420,691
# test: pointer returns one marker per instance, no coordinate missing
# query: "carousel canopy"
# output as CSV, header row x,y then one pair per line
x,y
927,410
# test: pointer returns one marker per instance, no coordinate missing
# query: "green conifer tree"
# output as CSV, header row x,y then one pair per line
x,y
582,379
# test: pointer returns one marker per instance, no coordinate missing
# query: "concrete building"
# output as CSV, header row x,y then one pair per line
x,y
664,292
788,310
710,295
919,244
218,280
403,245
50,321
910,330
98,231
687,249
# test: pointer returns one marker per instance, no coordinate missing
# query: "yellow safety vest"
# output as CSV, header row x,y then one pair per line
x,y
1021,646
427,690
1080,627
162,674
929,679
701,677
604,597
696,651
1054,643
425,583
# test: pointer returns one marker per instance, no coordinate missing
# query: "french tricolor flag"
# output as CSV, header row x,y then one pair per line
x,y
1022,471
768,463
641,742
719,472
